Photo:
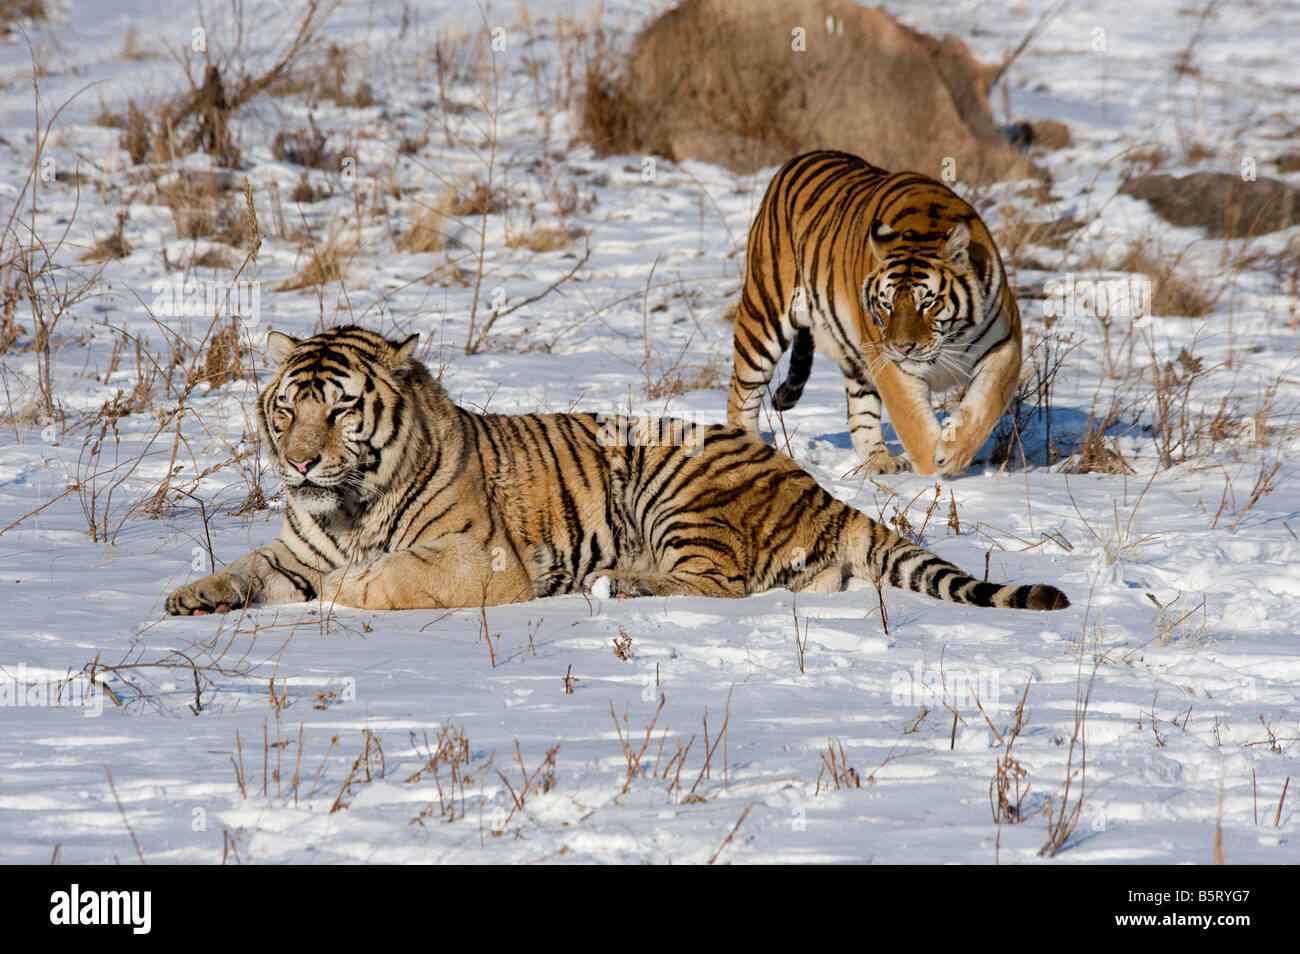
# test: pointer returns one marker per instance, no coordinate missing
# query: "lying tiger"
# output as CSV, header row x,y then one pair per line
x,y
896,279
396,498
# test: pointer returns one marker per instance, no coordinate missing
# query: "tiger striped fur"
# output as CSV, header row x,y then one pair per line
x,y
396,498
897,280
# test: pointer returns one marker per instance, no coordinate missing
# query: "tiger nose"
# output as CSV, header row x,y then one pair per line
x,y
904,348
303,465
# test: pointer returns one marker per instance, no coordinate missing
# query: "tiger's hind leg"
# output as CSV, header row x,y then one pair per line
x,y
764,321
759,344
864,429
829,580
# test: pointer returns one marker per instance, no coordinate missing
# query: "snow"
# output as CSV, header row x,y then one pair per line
x,y
1183,581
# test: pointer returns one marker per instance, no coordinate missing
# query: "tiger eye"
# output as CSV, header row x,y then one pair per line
x,y
281,418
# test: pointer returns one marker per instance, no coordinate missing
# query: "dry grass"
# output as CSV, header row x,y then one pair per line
x,y
369,764
1123,537
477,198
835,766
1046,353
112,246
1065,807
33,274
1172,293
1142,160
326,76
214,258
303,147
677,381
541,239
137,134
1098,452
1019,230
202,119
226,356
204,205
132,50
304,193
1180,622
606,110
1183,429
1010,785
434,221
325,263
429,231
10,329
13,12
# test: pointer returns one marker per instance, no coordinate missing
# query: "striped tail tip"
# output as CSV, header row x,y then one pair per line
x,y
801,362
1039,596
787,396
1044,597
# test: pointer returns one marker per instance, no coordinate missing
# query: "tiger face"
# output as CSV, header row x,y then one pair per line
x,y
923,297
324,417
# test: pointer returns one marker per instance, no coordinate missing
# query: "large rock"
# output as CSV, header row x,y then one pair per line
x,y
1222,203
723,82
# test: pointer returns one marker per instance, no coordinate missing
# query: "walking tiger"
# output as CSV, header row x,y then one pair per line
x,y
897,280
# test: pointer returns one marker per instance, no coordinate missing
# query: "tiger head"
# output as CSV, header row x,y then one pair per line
x,y
329,414
925,293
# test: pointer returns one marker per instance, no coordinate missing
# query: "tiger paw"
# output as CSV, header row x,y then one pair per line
x,y
954,448
882,462
953,457
219,593
622,586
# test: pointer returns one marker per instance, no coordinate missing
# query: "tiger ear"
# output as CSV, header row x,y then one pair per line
x,y
279,346
985,262
879,232
404,351
956,246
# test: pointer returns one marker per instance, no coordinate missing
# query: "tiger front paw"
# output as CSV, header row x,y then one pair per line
x,y
955,448
218,593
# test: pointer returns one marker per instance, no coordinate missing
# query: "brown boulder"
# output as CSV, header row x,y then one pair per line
x,y
724,83
1223,203
1050,134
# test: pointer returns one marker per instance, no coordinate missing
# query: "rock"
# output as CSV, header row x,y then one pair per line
x,y
1050,134
1219,202
748,86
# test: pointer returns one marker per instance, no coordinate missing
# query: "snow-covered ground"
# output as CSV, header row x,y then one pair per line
x,y
520,734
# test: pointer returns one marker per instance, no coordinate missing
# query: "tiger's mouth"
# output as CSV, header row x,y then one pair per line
x,y
317,498
319,491
915,357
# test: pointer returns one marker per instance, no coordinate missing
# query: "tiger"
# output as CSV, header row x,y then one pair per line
x,y
398,498
897,280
